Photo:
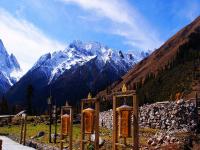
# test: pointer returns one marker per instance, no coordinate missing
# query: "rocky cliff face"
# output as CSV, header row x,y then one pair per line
x,y
9,69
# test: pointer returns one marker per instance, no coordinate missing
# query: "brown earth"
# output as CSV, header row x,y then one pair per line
x,y
157,60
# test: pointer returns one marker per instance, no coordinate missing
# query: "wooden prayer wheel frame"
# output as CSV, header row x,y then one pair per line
x,y
63,136
23,129
135,130
95,101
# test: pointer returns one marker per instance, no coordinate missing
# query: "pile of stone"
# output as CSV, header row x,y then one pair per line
x,y
105,119
163,138
179,115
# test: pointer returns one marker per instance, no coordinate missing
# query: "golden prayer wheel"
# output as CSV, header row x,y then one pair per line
x,y
89,120
65,124
124,121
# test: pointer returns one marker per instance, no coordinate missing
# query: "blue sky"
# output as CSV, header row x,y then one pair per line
x,y
30,28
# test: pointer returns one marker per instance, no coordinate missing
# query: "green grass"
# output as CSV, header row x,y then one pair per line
x,y
33,130
106,134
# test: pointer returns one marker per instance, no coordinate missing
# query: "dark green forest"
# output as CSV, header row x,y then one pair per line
x,y
177,76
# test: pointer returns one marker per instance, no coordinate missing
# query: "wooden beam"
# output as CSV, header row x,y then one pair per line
x,y
82,127
97,124
22,129
135,123
25,128
1,142
114,124
71,129
61,133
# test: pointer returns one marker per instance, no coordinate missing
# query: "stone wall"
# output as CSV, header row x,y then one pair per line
x,y
180,115
170,115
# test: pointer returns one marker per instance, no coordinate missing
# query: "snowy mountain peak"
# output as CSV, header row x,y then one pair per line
x,y
9,65
102,52
78,53
2,49
15,62
90,48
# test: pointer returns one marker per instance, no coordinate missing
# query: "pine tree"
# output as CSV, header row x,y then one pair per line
x,y
4,106
29,98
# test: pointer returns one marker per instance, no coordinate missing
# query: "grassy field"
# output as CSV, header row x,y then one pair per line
x,y
104,133
33,130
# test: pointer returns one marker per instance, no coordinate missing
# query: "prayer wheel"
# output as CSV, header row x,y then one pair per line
x,y
124,120
65,124
89,120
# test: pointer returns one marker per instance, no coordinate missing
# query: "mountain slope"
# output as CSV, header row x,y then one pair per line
x,y
72,73
9,69
172,68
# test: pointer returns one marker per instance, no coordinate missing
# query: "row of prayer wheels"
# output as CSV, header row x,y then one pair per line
x,y
88,121
124,121
122,125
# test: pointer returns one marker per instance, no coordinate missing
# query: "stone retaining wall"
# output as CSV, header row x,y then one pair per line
x,y
179,115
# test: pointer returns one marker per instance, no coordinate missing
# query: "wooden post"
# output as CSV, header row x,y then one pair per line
x,y
55,123
198,112
23,129
114,124
50,117
97,125
25,125
135,123
1,143
82,127
71,129
61,135
10,120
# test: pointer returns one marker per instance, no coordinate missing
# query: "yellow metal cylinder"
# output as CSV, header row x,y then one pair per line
x,y
89,120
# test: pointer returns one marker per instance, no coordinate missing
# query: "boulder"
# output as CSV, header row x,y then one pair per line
x,y
101,141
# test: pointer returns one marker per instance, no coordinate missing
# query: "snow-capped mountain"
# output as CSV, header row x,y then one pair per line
x,y
78,53
9,69
71,73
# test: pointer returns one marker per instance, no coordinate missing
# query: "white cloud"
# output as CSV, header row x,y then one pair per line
x,y
25,40
125,21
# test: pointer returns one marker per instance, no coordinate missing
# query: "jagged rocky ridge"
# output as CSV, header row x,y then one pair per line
x,y
78,53
10,70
